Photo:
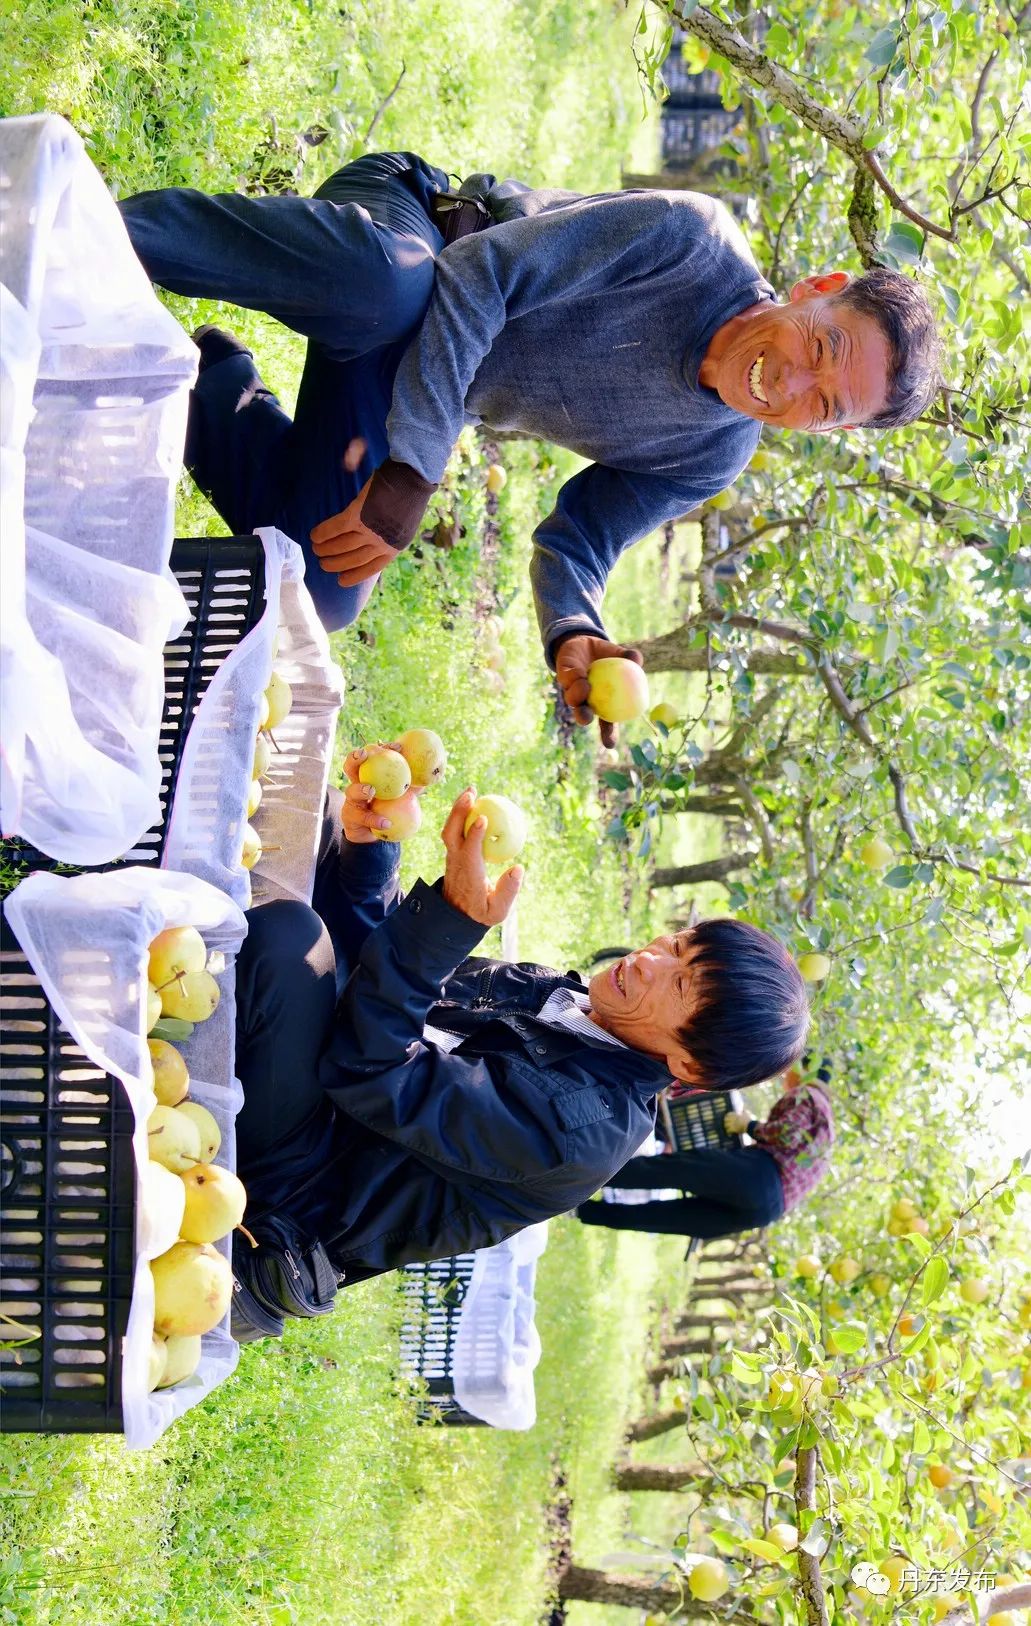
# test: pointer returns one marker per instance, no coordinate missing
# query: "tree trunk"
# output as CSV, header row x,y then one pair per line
x,y
675,1347
660,1422
665,1369
656,1476
713,869
632,1591
673,652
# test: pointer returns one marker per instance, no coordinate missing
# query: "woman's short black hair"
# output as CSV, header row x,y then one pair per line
x,y
752,1012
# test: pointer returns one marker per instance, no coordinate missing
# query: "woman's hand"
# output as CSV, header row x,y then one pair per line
x,y
347,548
466,886
359,821
735,1123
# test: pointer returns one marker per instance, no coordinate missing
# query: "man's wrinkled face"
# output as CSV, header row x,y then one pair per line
x,y
813,364
645,998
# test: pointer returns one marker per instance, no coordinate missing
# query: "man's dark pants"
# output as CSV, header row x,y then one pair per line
x,y
352,270
734,1188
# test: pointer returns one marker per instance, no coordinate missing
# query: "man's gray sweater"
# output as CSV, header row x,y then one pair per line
x,y
584,321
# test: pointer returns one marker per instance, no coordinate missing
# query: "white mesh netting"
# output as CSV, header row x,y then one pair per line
x,y
94,382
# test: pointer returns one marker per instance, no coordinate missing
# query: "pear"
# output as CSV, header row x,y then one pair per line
x,y
173,1139
251,850
210,1134
182,1357
193,996
193,1286
157,1360
262,757
388,772
171,1080
153,1006
253,798
404,813
617,689
505,834
176,950
215,1201
162,1205
280,698
425,755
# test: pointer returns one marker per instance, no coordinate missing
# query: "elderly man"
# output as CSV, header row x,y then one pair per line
x,y
404,1101
632,327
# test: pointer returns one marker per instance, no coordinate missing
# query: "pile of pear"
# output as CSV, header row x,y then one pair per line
x,y
183,1185
276,703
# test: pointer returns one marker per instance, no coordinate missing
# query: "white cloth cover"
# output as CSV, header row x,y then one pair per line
x,y
86,938
497,1345
94,383
205,829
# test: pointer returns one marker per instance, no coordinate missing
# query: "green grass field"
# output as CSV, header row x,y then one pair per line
x,y
303,1491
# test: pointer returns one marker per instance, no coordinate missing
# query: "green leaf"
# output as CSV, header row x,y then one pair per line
x,y
817,1538
882,47
900,876
921,1437
762,1549
742,1371
848,1339
616,779
906,242
936,1279
172,1028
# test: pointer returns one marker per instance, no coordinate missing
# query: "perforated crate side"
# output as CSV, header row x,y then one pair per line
x,y
223,582
66,1248
698,1120
434,1294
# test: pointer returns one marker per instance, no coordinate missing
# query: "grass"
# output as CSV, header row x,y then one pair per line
x,y
302,1491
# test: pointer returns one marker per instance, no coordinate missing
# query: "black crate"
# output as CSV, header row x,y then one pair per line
x,y
66,1248
697,1120
223,582
67,1180
433,1295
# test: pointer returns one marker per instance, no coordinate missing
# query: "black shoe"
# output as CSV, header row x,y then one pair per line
x,y
216,344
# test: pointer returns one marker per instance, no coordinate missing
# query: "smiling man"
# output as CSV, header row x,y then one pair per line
x,y
633,328
404,1100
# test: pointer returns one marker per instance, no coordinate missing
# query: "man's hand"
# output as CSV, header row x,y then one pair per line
x,y
359,821
575,655
735,1123
466,887
343,545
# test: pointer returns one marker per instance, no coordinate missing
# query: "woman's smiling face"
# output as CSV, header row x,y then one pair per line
x,y
645,999
812,364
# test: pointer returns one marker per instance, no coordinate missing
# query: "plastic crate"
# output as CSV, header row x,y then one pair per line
x,y
67,1170
696,1120
433,1295
67,1190
223,582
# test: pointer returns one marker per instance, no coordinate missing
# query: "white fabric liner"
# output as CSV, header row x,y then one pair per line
x,y
497,1345
205,827
86,938
94,383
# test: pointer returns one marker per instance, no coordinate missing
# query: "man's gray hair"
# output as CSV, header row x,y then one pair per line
x,y
901,310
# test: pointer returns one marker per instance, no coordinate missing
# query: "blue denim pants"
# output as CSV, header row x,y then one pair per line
x,y
352,270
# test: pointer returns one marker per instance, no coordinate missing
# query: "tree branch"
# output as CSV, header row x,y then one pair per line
x,y
809,1575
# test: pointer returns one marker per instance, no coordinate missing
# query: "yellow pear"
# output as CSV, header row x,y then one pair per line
x,y
280,699
157,1360
905,1208
162,1204
617,689
388,773
974,1290
176,950
171,1080
182,1358
875,853
425,755
404,813
193,996
497,479
207,1128
251,849
940,1475
808,1265
814,967
172,1139
253,798
193,1286
215,1201
153,1006
894,1568
665,714
707,1580
845,1270
505,834
880,1285
784,1536
262,757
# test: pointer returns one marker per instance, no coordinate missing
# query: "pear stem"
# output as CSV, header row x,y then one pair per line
x,y
247,1234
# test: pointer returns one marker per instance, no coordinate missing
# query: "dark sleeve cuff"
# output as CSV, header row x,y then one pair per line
x,y
396,503
569,627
